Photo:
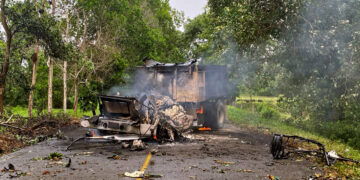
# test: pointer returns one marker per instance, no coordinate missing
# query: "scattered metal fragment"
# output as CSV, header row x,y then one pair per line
x,y
11,167
283,145
147,176
69,163
108,138
135,174
154,151
137,145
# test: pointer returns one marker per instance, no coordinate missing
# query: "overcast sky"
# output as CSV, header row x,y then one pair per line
x,y
191,8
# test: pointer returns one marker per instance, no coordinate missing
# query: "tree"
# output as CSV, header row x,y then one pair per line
x,y
118,35
65,63
6,63
51,73
35,61
22,18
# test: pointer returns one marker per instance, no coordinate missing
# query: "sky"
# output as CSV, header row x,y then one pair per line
x,y
191,8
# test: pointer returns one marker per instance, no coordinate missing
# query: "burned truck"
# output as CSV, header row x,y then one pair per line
x,y
166,100
200,89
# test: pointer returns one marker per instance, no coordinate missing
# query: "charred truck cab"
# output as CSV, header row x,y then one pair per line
x,y
200,89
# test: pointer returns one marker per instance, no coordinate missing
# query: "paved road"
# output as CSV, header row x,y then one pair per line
x,y
231,153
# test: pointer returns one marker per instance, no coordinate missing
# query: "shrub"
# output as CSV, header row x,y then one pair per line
x,y
267,111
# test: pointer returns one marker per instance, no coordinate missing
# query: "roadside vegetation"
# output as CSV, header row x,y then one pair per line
x,y
23,112
269,118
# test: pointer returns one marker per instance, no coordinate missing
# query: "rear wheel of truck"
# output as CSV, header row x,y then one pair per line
x,y
216,115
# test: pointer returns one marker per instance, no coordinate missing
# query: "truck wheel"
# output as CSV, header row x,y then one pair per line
x,y
216,115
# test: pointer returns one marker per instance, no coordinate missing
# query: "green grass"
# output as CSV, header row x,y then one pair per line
x,y
246,118
23,111
256,98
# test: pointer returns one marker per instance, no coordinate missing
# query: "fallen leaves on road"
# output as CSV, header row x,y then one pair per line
x,y
83,154
18,174
46,173
83,162
245,170
193,166
14,173
115,157
58,171
54,156
223,162
220,171
37,159
55,163
192,177
271,177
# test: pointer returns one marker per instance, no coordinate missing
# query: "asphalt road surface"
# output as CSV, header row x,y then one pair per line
x,y
230,153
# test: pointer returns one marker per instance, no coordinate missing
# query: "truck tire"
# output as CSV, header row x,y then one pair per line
x,y
216,115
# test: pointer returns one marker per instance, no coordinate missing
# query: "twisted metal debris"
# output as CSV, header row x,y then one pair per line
x,y
283,145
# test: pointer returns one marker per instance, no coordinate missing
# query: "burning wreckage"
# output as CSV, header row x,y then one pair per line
x,y
169,100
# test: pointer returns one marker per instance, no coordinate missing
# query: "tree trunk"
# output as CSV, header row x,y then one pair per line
x,y
3,75
34,59
51,73
53,8
65,62
76,87
50,82
5,66
65,87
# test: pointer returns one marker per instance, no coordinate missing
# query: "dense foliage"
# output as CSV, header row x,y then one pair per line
x,y
307,51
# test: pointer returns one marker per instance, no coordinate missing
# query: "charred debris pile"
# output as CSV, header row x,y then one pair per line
x,y
153,116
17,131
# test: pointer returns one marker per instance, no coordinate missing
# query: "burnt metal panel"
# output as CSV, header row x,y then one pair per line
x,y
186,83
117,106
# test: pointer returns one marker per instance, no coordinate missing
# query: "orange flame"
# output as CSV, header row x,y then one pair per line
x,y
201,110
154,137
204,129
